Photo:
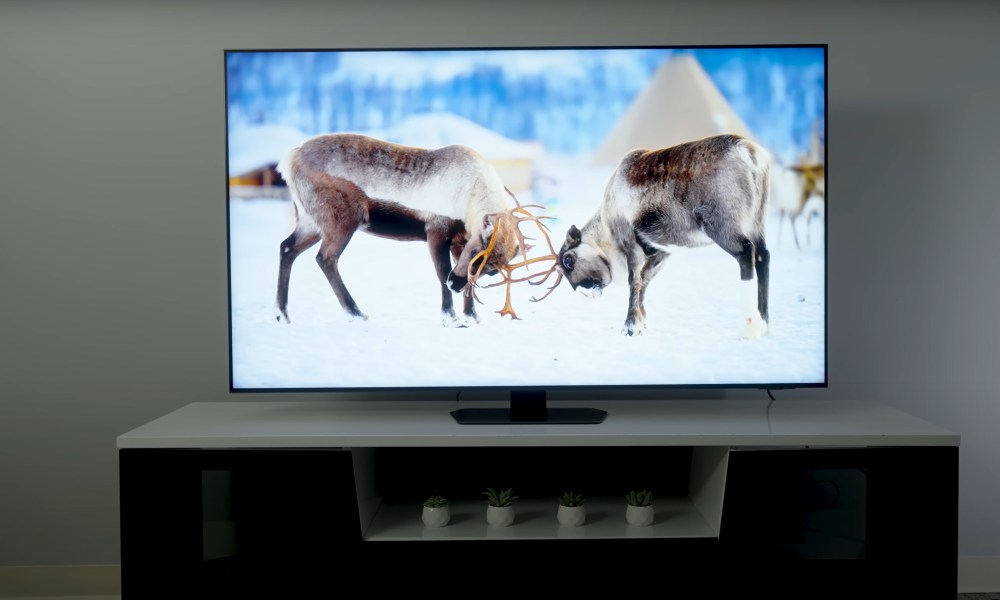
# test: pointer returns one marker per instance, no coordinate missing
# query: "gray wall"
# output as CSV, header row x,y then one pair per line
x,y
112,227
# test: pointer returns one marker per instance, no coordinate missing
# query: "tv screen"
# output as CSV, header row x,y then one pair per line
x,y
527,218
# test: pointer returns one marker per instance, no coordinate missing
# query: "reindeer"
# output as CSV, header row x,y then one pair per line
x,y
448,197
692,194
795,187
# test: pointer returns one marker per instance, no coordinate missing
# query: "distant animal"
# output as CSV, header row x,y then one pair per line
x,y
797,185
343,183
709,190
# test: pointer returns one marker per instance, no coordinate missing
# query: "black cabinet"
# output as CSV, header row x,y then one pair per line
x,y
794,522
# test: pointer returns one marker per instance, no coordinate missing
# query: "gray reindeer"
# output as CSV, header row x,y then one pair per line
x,y
713,190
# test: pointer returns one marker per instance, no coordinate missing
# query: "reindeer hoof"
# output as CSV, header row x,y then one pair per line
x,y
453,322
450,319
632,329
754,328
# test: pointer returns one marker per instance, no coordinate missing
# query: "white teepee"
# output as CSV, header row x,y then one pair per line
x,y
680,104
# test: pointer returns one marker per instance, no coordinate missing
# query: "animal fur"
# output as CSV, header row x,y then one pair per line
x,y
342,183
713,190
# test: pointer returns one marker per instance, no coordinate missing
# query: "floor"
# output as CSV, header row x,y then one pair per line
x,y
976,596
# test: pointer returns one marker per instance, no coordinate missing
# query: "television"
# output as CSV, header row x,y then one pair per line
x,y
523,220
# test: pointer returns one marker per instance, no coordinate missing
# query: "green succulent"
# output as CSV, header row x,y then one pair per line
x,y
501,498
436,502
571,499
642,498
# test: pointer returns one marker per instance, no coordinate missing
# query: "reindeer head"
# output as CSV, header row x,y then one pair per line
x,y
503,234
584,264
506,240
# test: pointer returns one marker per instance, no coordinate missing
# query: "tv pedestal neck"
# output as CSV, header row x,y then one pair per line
x,y
529,407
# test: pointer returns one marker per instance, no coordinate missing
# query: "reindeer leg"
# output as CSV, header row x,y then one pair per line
x,y
299,241
440,234
746,253
813,213
746,256
792,217
796,214
762,265
395,221
469,308
468,300
328,259
457,239
644,261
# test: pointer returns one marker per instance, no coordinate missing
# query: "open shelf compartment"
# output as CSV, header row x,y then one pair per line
x,y
688,485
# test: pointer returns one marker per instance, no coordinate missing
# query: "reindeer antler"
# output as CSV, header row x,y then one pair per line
x,y
513,218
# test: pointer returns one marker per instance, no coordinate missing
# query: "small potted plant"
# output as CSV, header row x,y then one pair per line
x,y
639,510
571,513
500,507
436,511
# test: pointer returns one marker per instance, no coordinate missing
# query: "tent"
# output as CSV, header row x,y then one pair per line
x,y
680,104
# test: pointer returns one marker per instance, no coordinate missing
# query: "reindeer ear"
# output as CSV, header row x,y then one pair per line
x,y
487,229
573,236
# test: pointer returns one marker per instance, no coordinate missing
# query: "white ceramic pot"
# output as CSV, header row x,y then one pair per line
x,y
641,516
436,517
571,516
499,516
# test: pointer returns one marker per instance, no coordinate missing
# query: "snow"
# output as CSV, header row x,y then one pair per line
x,y
694,314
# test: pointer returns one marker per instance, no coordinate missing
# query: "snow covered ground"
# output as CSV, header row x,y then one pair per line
x,y
693,307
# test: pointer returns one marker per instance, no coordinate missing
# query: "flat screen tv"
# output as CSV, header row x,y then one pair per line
x,y
526,220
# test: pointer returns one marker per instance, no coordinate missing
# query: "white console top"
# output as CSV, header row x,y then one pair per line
x,y
355,424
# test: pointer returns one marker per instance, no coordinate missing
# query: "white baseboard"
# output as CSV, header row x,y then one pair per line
x,y
978,574
60,580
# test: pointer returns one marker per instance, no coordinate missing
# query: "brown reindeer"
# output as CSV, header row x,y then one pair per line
x,y
343,183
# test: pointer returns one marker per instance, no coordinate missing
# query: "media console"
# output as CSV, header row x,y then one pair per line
x,y
804,498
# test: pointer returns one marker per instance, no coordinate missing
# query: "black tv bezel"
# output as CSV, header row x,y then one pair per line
x,y
529,401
